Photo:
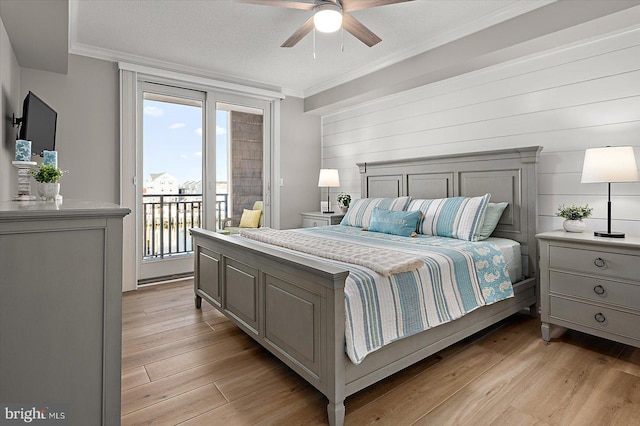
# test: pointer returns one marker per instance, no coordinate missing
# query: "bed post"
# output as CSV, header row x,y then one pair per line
x,y
336,371
530,158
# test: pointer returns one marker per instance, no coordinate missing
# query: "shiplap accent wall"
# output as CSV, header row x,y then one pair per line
x,y
567,100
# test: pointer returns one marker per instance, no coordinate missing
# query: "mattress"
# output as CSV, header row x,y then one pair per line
x,y
512,255
455,277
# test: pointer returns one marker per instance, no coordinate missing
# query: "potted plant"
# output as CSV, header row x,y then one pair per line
x,y
573,216
47,177
343,201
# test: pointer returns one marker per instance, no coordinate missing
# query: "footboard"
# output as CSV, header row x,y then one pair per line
x,y
291,305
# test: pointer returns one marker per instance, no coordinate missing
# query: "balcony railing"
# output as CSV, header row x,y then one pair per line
x,y
167,219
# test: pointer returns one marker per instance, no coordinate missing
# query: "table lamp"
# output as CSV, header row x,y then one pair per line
x,y
331,179
609,164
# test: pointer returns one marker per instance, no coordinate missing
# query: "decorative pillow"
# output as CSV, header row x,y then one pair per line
x,y
250,218
457,217
359,213
394,222
491,219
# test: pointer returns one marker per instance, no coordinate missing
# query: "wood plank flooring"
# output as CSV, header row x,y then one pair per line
x,y
183,366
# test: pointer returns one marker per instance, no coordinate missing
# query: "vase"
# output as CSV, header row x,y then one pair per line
x,y
344,209
573,225
48,191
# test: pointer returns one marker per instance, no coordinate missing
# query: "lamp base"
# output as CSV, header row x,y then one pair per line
x,y
328,212
609,234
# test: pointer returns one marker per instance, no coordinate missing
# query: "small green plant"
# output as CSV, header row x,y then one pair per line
x,y
574,212
344,199
46,174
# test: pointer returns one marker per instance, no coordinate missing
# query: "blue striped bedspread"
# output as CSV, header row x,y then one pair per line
x,y
457,277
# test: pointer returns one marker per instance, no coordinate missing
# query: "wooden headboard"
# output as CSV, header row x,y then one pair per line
x,y
508,175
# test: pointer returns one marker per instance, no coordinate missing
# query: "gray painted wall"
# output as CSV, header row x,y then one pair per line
x,y
10,103
567,100
87,139
299,162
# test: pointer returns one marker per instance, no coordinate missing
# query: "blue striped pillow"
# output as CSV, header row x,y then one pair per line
x,y
457,217
359,213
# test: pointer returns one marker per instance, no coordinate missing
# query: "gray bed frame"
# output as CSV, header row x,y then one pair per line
x,y
294,306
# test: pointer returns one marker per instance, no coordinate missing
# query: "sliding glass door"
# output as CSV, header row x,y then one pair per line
x,y
240,165
171,192
203,157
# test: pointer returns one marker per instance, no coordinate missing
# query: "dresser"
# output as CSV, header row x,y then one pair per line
x,y
61,308
313,219
590,284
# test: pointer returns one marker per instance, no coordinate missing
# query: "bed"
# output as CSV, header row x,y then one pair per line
x,y
294,304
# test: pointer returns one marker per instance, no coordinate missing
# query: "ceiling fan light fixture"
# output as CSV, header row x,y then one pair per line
x,y
328,18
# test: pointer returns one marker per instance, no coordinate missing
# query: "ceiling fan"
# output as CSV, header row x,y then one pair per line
x,y
329,16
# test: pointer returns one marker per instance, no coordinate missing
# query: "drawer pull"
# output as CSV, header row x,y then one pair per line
x,y
600,317
599,290
599,262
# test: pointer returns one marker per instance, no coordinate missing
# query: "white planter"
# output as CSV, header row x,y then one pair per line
x,y
48,191
573,225
344,209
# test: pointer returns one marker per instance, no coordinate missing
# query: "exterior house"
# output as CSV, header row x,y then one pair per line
x,y
161,183
191,187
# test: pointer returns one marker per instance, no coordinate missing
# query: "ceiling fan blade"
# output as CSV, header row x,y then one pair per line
x,y
359,31
351,5
281,3
299,33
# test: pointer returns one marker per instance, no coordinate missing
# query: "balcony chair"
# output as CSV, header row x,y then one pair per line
x,y
232,225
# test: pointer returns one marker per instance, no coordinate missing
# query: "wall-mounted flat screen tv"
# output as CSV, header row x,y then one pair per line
x,y
38,124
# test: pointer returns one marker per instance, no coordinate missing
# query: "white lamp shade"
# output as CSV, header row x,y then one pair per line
x,y
610,164
329,178
328,18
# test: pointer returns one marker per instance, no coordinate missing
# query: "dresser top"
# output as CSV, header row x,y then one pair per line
x,y
587,237
69,208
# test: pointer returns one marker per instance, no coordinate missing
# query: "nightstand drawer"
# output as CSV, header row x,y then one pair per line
x,y
596,289
313,219
313,222
595,262
596,317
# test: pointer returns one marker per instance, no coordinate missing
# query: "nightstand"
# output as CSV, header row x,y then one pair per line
x,y
590,284
313,219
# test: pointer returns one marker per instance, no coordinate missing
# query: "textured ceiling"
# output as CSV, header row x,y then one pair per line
x,y
240,42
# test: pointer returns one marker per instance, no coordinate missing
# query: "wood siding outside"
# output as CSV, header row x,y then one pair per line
x,y
567,100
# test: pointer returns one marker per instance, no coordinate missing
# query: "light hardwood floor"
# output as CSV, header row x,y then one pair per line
x,y
189,367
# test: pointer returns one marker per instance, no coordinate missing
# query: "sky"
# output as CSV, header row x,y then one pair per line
x,y
172,141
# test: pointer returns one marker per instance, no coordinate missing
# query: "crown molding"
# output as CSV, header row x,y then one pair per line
x,y
164,67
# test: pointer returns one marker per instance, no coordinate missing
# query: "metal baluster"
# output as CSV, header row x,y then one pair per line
x,y
192,222
153,229
169,223
145,248
184,225
161,225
